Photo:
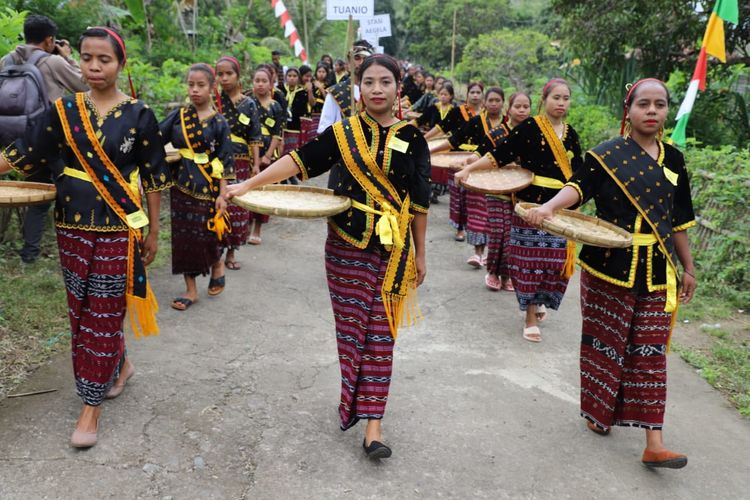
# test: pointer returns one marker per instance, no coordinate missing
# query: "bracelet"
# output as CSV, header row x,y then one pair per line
x,y
689,273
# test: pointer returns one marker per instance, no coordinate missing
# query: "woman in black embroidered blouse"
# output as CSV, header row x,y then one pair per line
x,y
363,295
540,263
241,114
629,295
272,118
203,138
101,251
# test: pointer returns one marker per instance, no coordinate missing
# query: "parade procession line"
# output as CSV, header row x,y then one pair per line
x,y
237,398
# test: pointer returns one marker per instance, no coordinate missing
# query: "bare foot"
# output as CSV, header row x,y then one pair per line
x,y
373,431
89,418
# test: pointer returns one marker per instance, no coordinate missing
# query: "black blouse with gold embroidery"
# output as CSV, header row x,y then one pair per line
x,y
297,107
433,115
244,123
474,133
408,171
645,269
456,119
272,120
320,99
129,135
526,145
188,176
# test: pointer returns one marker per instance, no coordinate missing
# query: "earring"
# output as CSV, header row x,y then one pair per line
x,y
628,128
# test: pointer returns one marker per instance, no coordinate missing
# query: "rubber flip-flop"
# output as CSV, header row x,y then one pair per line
x,y
216,285
532,334
492,282
182,303
233,265
254,240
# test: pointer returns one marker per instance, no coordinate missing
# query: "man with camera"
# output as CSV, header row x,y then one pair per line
x,y
61,76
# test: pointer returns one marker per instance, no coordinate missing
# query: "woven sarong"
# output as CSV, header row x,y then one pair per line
x,y
292,140
363,336
457,207
308,128
499,217
623,355
194,248
239,218
476,218
94,268
535,263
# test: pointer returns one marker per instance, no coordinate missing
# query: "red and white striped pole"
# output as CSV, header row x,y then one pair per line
x,y
290,31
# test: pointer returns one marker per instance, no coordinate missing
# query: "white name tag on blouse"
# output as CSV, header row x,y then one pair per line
x,y
244,119
397,144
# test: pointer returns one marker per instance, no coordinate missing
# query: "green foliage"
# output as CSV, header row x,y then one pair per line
x,y
607,33
11,29
720,179
509,58
725,366
721,114
72,18
159,88
594,123
430,23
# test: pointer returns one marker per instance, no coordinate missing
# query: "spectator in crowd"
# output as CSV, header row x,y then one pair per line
x,y
62,76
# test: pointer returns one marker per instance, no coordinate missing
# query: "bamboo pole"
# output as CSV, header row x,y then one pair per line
x,y
349,42
304,26
453,41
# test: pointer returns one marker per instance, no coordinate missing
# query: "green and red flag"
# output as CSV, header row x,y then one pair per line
x,y
713,44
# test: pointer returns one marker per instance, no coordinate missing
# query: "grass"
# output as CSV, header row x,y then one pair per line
x,y
33,309
726,366
33,306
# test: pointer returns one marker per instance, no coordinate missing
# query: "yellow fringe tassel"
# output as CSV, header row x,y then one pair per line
x,y
570,260
402,310
671,328
142,313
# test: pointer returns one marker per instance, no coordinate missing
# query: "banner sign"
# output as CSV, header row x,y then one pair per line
x,y
340,10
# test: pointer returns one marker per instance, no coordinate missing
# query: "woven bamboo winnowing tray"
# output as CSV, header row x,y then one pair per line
x,y
508,179
297,202
582,228
451,159
21,194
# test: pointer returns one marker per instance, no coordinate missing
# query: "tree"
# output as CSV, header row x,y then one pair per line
x,y
617,41
510,58
429,26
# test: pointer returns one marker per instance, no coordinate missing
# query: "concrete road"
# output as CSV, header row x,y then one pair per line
x,y
237,399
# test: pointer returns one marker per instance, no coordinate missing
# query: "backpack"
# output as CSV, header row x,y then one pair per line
x,y
23,95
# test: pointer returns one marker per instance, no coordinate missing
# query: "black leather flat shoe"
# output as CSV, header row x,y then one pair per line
x,y
376,450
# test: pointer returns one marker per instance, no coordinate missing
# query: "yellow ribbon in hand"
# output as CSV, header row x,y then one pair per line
x,y
220,225
387,227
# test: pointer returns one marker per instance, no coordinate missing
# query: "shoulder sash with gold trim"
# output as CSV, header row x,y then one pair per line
x,y
466,112
115,191
198,150
493,134
555,144
563,161
612,155
342,94
399,285
239,123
